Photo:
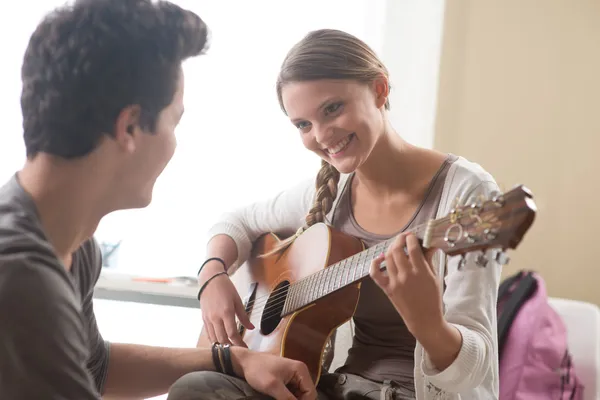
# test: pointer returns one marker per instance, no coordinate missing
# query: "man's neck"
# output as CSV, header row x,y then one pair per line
x,y
66,195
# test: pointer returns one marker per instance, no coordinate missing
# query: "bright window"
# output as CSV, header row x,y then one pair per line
x,y
235,145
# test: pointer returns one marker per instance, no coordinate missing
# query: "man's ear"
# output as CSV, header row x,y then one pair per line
x,y
127,127
381,88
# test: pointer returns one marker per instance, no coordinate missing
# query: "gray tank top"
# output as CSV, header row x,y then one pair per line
x,y
383,348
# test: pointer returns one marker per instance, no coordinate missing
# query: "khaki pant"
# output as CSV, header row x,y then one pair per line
x,y
336,386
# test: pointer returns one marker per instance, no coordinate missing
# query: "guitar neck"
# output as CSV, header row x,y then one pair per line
x,y
337,276
499,222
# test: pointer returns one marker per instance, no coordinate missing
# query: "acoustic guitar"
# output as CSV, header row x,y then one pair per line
x,y
298,297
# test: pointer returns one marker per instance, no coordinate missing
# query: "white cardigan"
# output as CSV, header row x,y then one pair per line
x,y
469,298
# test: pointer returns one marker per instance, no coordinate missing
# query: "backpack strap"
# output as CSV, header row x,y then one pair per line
x,y
507,284
526,286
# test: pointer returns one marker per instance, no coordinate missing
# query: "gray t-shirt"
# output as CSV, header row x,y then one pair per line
x,y
50,346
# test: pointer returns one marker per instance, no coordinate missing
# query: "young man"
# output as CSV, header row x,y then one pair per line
x,y
102,95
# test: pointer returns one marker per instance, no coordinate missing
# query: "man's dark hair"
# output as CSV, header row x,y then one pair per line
x,y
88,61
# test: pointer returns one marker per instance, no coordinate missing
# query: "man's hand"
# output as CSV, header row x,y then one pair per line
x,y
278,377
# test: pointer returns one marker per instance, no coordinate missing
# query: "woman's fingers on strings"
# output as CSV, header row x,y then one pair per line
x,y
415,253
240,311
381,278
400,263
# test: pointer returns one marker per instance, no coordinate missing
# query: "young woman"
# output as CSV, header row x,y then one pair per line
x,y
424,329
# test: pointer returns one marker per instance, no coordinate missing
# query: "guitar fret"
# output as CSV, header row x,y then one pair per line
x,y
338,276
330,280
346,271
304,297
364,264
314,278
288,299
299,294
354,270
316,289
334,278
301,299
296,295
290,302
319,282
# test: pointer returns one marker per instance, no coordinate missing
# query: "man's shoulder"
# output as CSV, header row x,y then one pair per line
x,y
30,281
26,256
90,263
20,228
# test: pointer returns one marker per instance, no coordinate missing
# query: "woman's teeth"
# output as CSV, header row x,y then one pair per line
x,y
340,146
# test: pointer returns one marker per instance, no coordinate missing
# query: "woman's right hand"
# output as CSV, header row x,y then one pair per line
x,y
220,304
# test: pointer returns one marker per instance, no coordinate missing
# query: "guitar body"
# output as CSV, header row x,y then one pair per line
x,y
303,334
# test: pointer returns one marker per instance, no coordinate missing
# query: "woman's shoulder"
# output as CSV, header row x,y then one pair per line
x,y
470,172
465,180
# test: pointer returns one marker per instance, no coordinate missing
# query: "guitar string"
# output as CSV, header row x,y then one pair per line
x,y
276,296
283,291
281,297
259,300
276,307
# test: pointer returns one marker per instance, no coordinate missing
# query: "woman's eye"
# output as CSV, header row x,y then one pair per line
x,y
302,125
330,109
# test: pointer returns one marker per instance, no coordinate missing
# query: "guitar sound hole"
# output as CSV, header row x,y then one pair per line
x,y
272,312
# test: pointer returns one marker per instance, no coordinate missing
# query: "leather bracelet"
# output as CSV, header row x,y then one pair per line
x,y
215,357
208,281
212,259
228,366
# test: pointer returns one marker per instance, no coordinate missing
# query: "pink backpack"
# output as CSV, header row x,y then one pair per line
x,y
535,363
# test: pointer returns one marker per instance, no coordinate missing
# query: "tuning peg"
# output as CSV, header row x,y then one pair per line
x,y
470,238
498,200
462,262
502,258
481,260
476,206
490,234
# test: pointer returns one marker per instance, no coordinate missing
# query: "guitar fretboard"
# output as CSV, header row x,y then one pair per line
x,y
346,272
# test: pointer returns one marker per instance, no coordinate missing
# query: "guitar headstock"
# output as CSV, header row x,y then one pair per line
x,y
496,223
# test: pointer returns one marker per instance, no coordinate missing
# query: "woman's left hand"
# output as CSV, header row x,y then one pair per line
x,y
411,284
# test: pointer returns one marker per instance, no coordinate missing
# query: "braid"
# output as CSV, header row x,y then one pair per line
x,y
327,187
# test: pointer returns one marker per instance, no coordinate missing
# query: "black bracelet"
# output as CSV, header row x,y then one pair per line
x,y
215,357
228,366
212,259
207,281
